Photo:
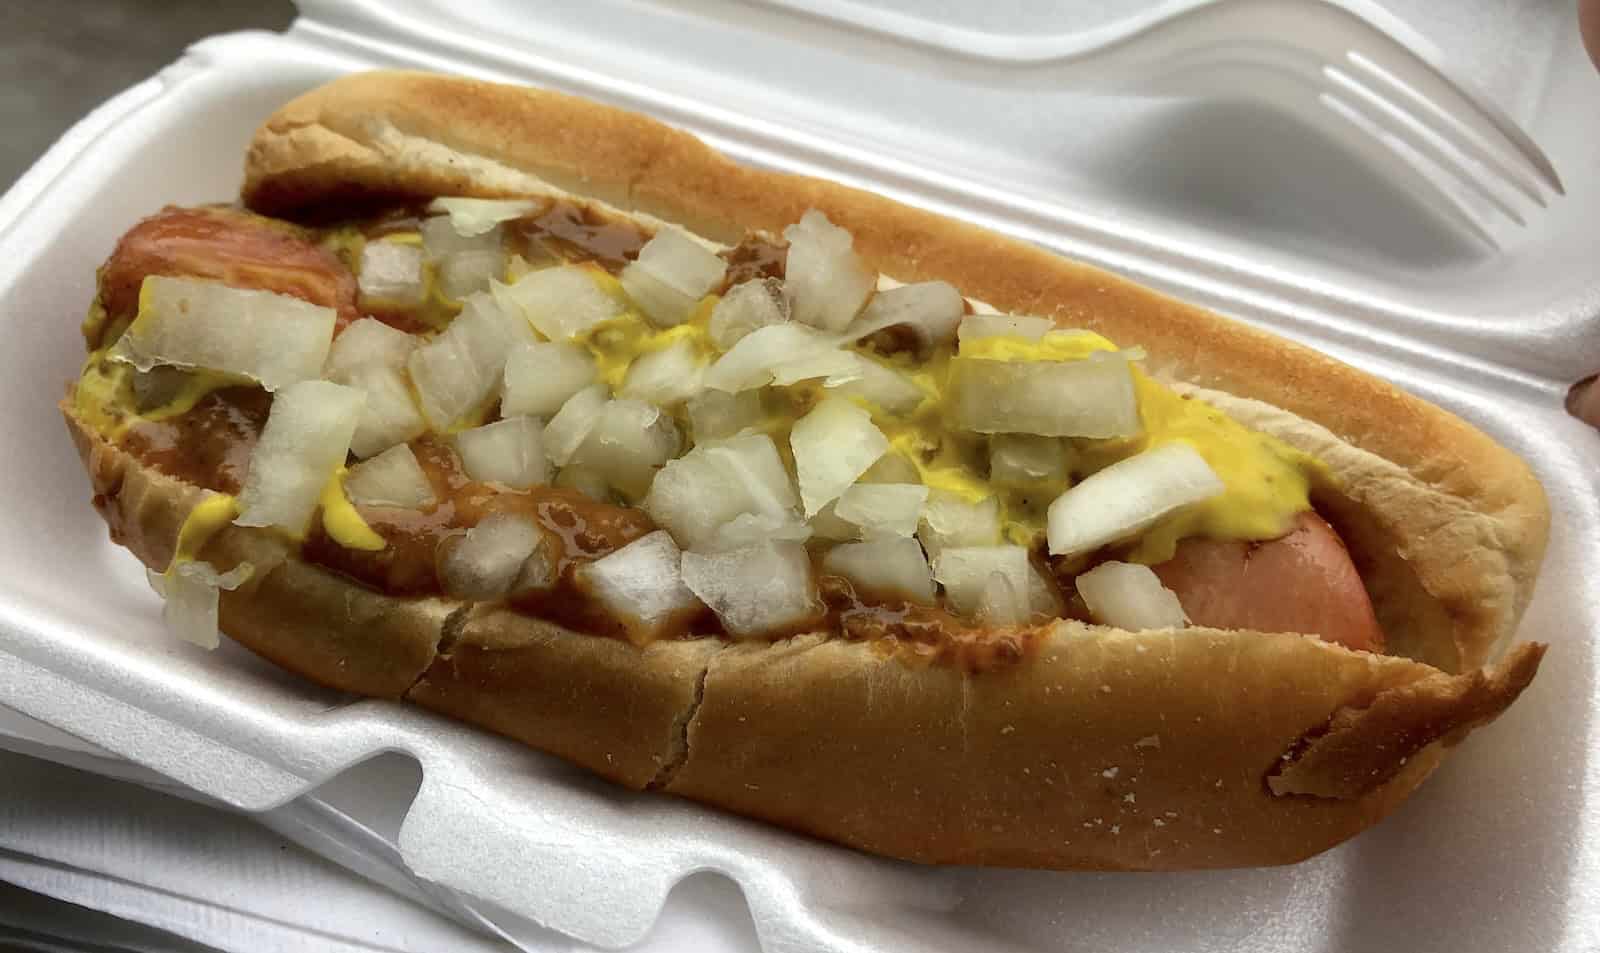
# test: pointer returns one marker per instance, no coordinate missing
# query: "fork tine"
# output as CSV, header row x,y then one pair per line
x,y
1377,138
1445,155
1470,139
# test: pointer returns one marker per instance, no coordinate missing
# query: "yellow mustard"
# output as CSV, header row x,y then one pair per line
x,y
203,522
343,522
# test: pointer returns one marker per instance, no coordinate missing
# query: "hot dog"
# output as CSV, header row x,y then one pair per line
x,y
789,499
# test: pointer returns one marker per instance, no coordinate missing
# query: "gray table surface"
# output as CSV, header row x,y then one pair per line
x,y
61,58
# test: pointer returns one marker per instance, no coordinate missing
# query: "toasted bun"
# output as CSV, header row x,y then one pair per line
x,y
1106,749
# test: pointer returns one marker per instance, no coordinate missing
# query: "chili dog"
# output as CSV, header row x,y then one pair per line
x,y
790,499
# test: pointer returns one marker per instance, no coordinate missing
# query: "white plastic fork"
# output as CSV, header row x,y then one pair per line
x,y
1347,66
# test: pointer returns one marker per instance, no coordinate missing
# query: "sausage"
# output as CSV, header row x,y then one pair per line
x,y
1301,582
230,245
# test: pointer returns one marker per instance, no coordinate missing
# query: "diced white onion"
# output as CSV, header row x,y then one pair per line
x,y
840,367
641,585
469,272
508,452
1004,601
931,309
563,303
877,384
665,377
882,509
392,478
472,217
1088,398
950,520
485,562
390,415
1130,596
586,480
965,573
1128,497
460,369
825,524
367,343
567,430
441,239
628,441
1044,598
758,590
191,593
716,414
750,363
1023,460
1022,326
715,483
748,529
304,443
833,445
391,272
671,274
542,376
748,306
892,568
892,467
275,340
825,280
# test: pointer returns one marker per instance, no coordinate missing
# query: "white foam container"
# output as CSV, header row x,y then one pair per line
x,y
1228,205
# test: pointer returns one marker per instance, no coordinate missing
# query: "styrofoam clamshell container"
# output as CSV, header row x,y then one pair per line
x,y
1226,204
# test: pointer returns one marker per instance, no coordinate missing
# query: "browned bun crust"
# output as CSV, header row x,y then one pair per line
x,y
1107,749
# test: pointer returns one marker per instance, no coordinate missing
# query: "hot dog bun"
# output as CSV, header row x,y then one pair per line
x,y
1107,749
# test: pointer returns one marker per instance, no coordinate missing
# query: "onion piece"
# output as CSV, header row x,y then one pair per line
x,y
877,384
882,509
833,445
1128,497
1088,398
641,586
563,303
469,272
509,452
1130,596
838,366
460,369
748,306
541,377
883,569
486,561
1024,461
392,478
665,377
272,339
950,520
190,593
471,217
567,430
750,363
715,483
825,281
391,273
672,273
367,343
302,446
1003,602
716,414
930,309
892,467
1023,326
586,480
762,590
749,529
628,441
965,573
442,240
390,415
825,524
